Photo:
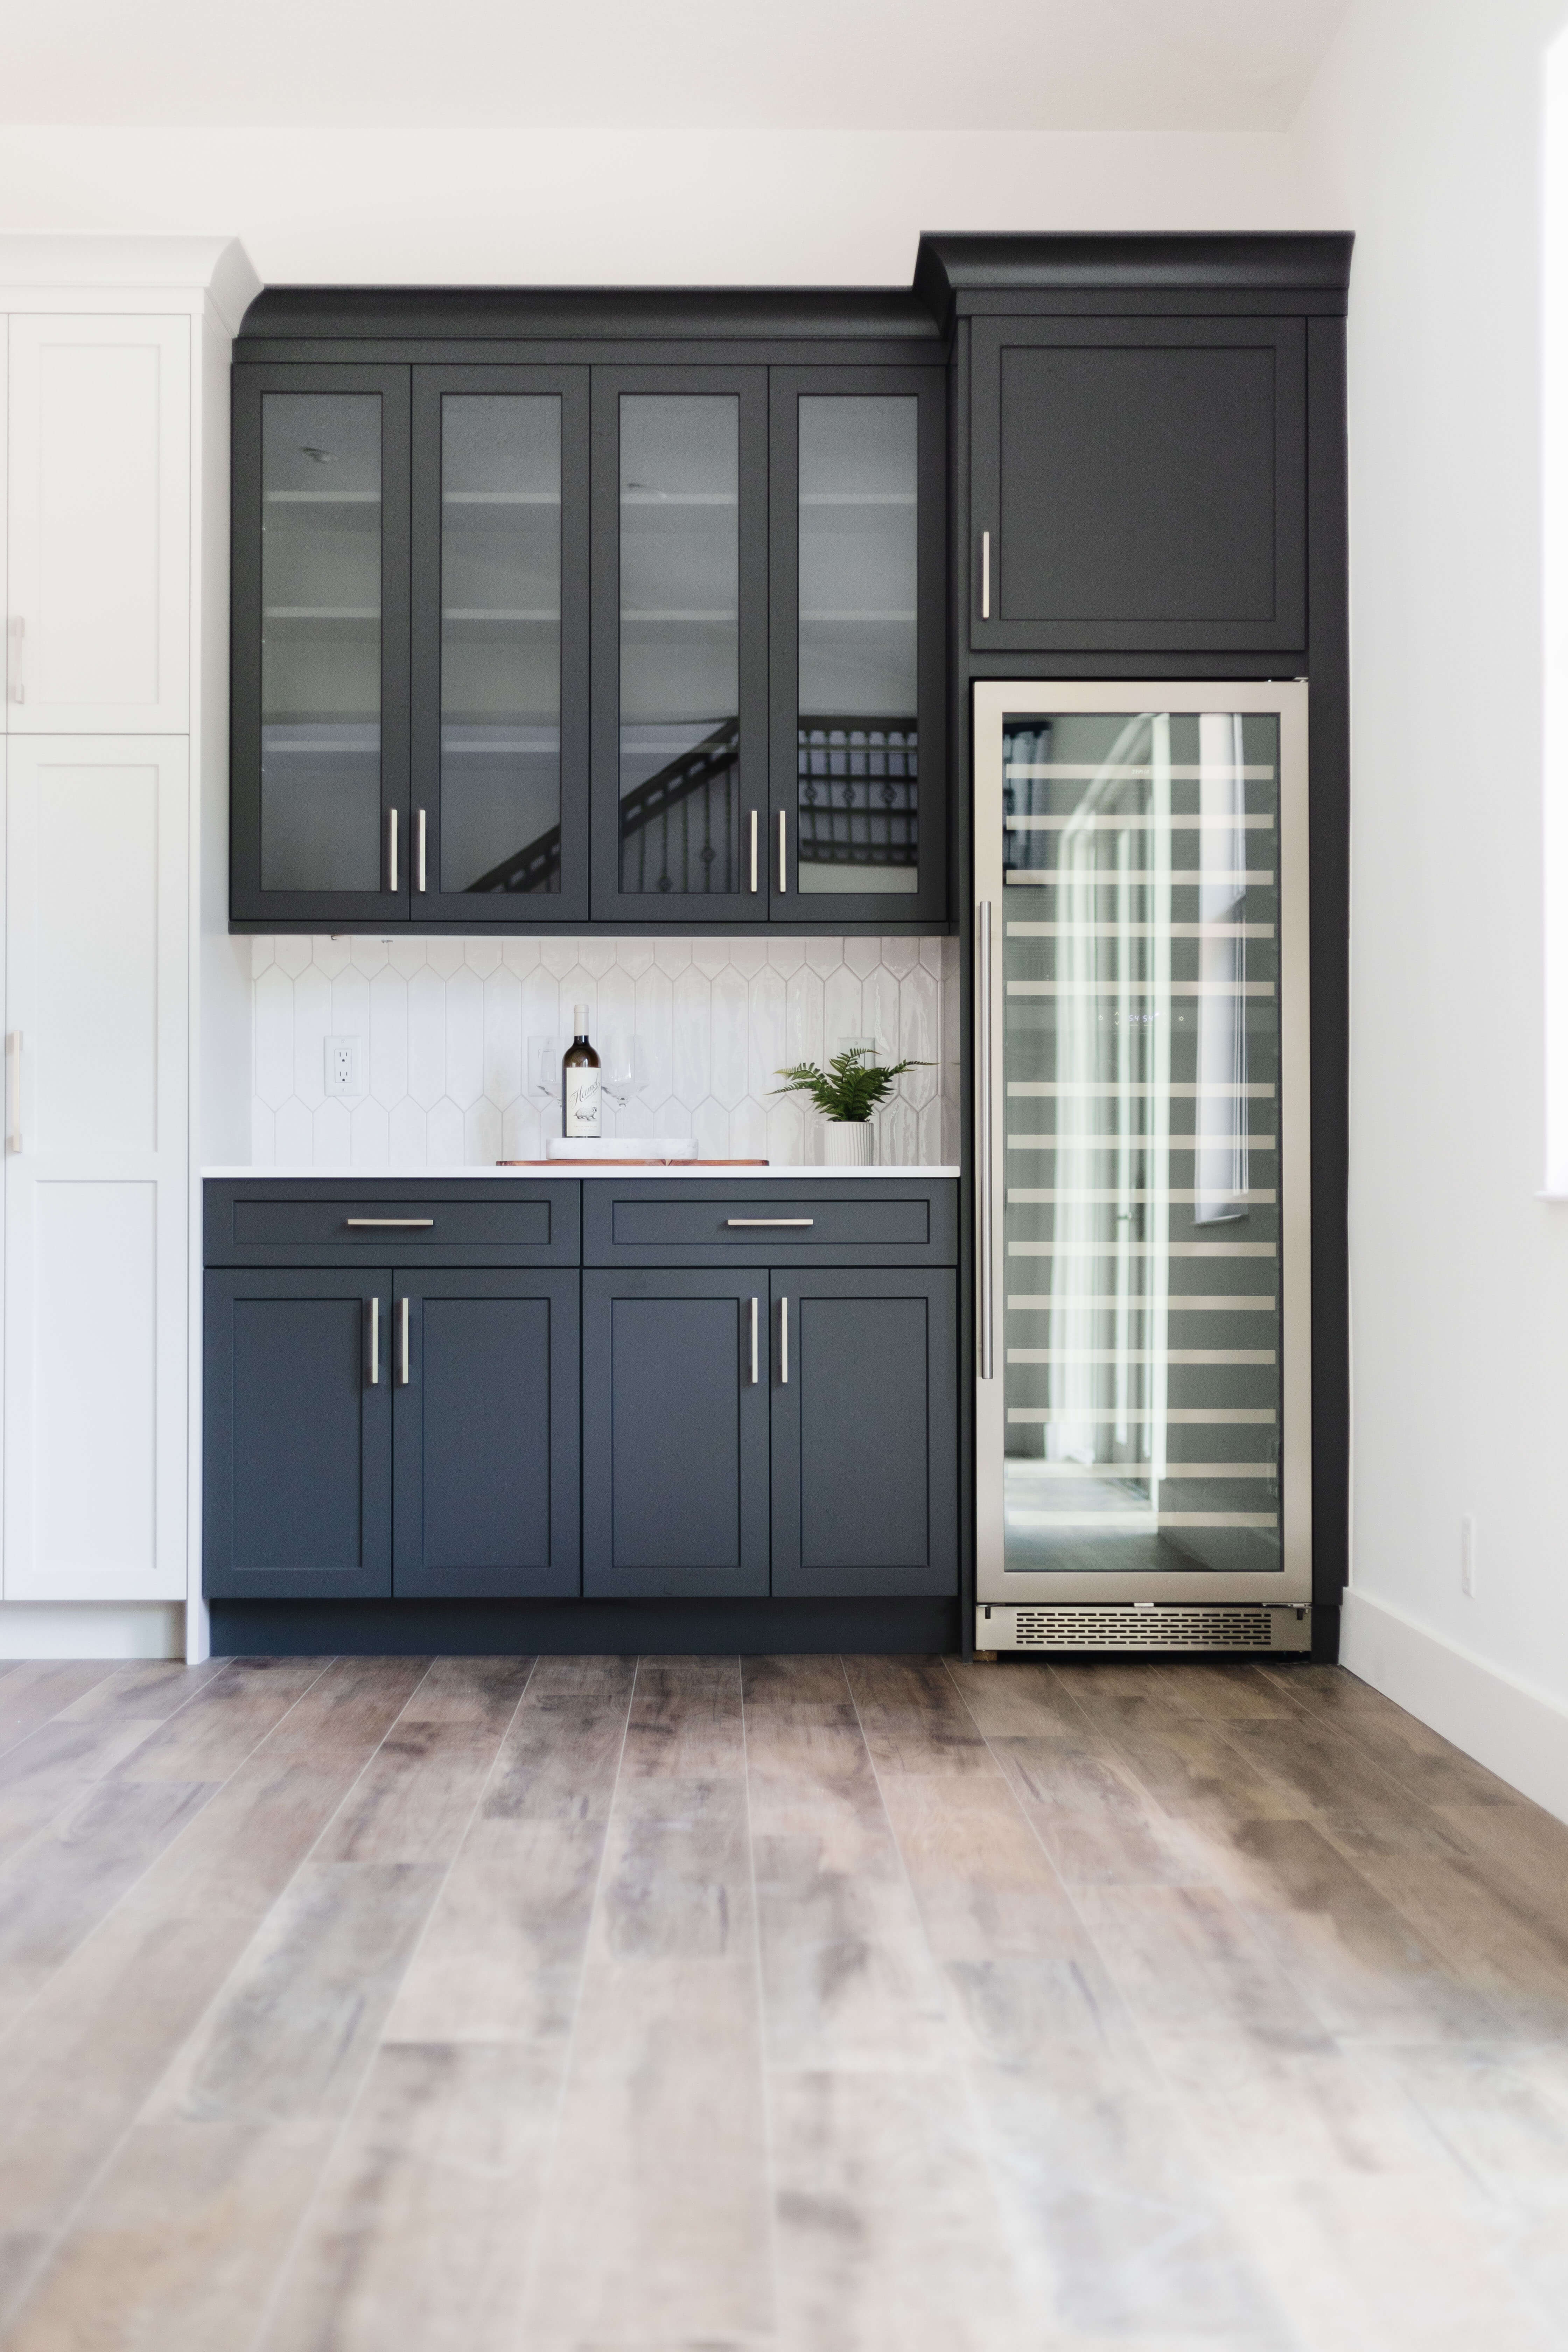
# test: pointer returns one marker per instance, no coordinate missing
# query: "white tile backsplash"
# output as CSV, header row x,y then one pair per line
x,y
444,1028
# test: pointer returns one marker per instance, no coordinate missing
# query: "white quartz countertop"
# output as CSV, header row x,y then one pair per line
x,y
714,1170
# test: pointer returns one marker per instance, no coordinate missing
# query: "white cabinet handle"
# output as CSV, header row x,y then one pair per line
x,y
403,1343
392,849
419,875
784,1343
374,1341
16,633
756,1367
14,1089
985,575
756,822
784,854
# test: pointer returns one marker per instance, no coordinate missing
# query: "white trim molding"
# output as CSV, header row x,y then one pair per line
x,y
77,1629
1515,1729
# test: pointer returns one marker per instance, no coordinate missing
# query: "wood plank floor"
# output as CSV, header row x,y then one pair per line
x,y
770,2005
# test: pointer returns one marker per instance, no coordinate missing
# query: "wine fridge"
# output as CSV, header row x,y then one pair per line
x,y
1143,1165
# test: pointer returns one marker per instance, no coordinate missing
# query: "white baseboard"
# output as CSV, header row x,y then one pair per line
x,y
92,1629
1516,1730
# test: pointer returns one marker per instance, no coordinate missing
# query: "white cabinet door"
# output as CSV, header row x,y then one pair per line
x,y
98,592
96,1169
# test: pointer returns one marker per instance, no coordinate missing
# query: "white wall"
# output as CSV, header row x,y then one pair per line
x,y
1423,133
625,207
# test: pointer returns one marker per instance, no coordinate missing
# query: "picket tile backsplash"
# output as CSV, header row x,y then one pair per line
x,y
442,1029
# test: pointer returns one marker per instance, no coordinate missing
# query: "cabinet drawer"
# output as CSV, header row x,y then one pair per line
x,y
803,1222
300,1224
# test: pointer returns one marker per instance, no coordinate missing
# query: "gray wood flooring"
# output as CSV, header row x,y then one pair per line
x,y
798,2005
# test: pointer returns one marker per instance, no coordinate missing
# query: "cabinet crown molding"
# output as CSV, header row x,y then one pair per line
x,y
951,264
218,266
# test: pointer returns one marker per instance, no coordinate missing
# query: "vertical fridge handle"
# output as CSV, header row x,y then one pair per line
x,y
985,1205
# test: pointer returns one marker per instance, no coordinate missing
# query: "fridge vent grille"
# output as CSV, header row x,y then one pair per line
x,y
1206,1627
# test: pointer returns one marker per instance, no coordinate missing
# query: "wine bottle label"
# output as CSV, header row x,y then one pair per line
x,y
582,1102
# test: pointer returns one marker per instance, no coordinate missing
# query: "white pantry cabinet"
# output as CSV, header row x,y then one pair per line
x,y
97,1156
98,592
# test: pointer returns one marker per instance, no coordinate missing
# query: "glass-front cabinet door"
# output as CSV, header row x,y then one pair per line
x,y
679,563
499,814
321,643
1141,1147
857,825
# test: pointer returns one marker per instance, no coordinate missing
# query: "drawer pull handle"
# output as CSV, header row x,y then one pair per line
x,y
376,1342
770,1221
401,1223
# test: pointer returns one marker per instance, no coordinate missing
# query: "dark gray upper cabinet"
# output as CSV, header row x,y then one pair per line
x,y
864,1435
857,826
296,1499
499,814
680,680
485,1434
1137,484
318,777
675,1434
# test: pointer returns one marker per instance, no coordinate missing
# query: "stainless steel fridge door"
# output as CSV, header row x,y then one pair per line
x,y
1142,1148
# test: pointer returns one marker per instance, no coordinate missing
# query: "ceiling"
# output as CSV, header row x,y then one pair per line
x,y
1005,65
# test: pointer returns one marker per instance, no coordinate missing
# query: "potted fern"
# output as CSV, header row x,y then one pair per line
x,y
847,1093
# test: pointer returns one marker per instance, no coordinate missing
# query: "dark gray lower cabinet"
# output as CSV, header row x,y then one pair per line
x,y
864,1435
675,1434
485,1435
297,1490
387,1433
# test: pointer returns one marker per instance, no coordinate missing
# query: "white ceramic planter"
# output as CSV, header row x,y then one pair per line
x,y
849,1143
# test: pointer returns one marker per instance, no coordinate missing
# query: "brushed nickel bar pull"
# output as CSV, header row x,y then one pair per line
x,y
402,1224
756,825
770,1221
374,1341
756,1369
403,1343
784,1343
392,849
985,1177
784,852
13,1088
985,575
421,850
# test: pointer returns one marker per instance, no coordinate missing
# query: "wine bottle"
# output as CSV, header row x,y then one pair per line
x,y
580,1081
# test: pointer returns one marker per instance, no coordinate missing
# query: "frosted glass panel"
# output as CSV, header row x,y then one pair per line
x,y
856,756
500,643
1141,1115
321,641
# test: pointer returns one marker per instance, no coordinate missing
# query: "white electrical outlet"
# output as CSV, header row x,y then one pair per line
x,y
1467,1556
343,1067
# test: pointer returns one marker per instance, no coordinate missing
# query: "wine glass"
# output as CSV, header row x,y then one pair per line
x,y
617,1066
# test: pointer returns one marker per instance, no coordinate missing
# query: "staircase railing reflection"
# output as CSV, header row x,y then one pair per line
x,y
857,790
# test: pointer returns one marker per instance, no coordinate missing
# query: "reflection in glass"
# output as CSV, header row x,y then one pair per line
x,y
1141,1113
681,727
858,646
500,641
321,641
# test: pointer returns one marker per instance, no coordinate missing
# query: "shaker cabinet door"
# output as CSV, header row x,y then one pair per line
x,y
499,795
675,1434
297,1486
99,598
1137,484
318,762
857,607
864,1435
485,1409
